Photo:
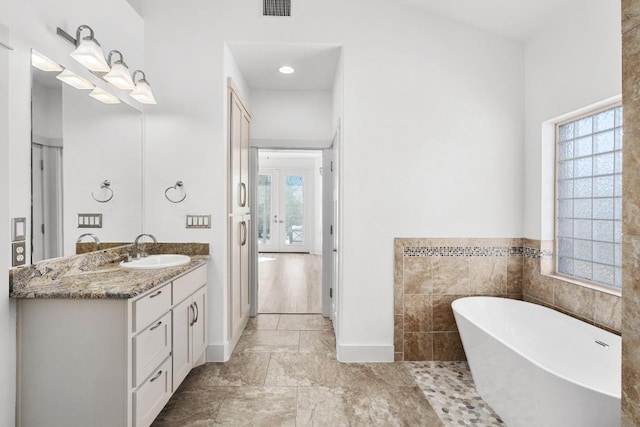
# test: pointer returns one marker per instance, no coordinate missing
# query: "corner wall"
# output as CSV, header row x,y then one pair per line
x,y
573,63
7,306
631,213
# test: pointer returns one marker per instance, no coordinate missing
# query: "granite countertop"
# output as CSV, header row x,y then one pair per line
x,y
95,276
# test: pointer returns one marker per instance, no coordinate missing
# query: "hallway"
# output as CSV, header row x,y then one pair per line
x,y
284,372
289,283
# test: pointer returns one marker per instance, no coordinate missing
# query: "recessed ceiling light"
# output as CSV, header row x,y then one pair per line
x,y
286,69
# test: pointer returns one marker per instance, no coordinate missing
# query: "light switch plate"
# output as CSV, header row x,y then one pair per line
x,y
198,221
89,220
18,229
18,254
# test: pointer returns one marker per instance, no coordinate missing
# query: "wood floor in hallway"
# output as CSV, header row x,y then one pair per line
x,y
289,283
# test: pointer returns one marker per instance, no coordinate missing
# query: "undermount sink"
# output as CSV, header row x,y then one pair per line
x,y
156,261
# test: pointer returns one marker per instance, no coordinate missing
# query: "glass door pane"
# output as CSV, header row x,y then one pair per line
x,y
294,210
265,196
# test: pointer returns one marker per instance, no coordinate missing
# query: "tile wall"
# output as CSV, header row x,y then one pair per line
x,y
631,213
431,273
589,305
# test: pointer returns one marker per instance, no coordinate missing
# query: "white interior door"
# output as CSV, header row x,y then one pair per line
x,y
283,211
46,181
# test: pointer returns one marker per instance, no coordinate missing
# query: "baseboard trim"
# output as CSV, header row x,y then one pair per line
x,y
221,352
365,353
218,352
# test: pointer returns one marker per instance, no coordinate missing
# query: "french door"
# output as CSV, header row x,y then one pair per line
x,y
282,211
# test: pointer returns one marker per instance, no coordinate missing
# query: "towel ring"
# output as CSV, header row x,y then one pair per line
x,y
178,185
104,185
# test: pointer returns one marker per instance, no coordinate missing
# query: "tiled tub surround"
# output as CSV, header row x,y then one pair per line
x,y
97,274
431,273
540,286
631,213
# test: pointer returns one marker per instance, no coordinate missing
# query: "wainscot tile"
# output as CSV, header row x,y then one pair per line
x,y
450,275
417,275
418,346
448,346
418,313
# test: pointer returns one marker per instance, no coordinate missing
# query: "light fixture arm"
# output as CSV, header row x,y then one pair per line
x,y
144,77
117,52
90,37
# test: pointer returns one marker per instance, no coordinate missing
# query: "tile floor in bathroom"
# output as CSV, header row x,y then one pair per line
x,y
284,372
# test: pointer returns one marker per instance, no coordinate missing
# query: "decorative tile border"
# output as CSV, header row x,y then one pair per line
x,y
479,251
413,251
535,253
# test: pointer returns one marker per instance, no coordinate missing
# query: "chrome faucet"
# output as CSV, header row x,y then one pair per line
x,y
142,253
93,236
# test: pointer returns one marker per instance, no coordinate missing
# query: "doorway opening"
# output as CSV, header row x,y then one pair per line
x,y
289,231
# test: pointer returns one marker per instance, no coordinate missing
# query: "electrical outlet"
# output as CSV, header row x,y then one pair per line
x,y
18,254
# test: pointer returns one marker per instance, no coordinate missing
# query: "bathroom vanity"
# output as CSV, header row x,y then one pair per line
x,y
108,347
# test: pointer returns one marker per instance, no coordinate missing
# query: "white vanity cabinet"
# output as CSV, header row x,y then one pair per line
x,y
108,362
189,324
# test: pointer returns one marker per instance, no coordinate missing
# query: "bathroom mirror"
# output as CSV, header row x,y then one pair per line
x,y
86,168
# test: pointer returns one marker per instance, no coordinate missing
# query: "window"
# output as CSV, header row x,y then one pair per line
x,y
589,198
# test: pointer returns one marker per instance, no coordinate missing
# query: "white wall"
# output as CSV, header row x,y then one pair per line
x,y
573,63
433,118
32,25
101,142
7,307
46,107
285,118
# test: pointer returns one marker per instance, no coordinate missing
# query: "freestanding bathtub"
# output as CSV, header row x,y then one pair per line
x,y
537,367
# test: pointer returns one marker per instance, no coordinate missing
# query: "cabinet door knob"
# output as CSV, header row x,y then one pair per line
x,y
197,312
156,294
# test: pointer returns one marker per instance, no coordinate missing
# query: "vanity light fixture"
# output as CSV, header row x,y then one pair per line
x,y
74,80
119,75
43,63
287,69
103,96
142,93
88,51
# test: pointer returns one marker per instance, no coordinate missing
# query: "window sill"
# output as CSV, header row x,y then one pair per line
x,y
599,288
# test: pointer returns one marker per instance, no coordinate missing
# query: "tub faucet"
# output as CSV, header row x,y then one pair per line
x,y
142,253
93,236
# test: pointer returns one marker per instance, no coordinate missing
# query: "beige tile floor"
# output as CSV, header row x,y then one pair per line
x,y
284,372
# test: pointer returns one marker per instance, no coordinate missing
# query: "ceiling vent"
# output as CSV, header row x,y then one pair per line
x,y
276,8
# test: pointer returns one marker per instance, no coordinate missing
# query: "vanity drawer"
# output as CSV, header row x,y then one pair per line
x,y
186,285
153,394
151,347
150,307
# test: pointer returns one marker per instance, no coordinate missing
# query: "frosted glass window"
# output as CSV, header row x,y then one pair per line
x,y
589,198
